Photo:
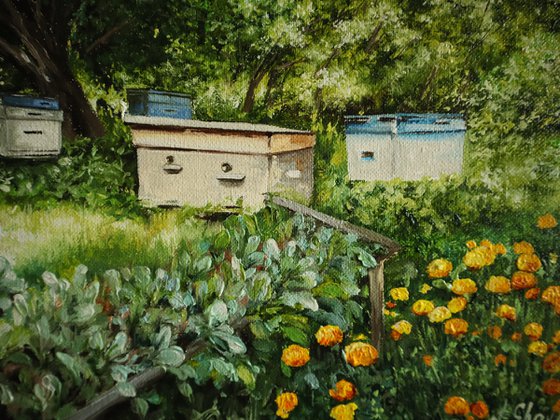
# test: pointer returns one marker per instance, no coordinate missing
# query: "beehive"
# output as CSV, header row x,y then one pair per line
x,y
154,103
404,146
30,132
198,163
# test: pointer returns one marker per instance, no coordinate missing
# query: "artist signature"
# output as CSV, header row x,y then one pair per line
x,y
527,411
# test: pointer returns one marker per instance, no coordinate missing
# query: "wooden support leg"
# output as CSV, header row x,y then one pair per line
x,y
376,300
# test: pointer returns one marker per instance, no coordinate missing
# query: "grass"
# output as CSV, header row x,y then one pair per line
x,y
60,238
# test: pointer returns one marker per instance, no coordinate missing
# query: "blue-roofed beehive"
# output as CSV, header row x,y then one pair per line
x,y
405,146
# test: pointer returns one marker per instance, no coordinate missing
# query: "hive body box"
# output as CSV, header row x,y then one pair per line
x,y
154,103
405,146
30,132
198,163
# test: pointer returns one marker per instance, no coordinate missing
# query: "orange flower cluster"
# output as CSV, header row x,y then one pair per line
x,y
483,254
506,312
463,287
523,247
428,360
286,403
529,262
295,356
523,280
422,307
329,335
344,390
500,359
400,328
343,411
439,268
361,354
533,330
457,304
456,327
551,362
552,295
538,348
458,406
498,284
495,332
546,221
551,386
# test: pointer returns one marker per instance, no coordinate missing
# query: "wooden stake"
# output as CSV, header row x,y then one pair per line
x,y
376,301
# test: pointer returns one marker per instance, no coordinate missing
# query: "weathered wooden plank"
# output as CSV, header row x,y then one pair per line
x,y
377,303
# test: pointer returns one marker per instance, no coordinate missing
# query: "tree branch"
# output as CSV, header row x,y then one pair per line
x,y
106,36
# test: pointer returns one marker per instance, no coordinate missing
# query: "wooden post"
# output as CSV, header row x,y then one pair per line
x,y
377,304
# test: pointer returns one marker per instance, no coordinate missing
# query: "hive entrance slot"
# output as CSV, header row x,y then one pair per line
x,y
368,155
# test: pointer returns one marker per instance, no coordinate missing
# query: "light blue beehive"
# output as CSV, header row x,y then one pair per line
x,y
404,146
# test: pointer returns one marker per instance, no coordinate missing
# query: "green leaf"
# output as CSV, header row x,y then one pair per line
x,y
126,389
6,396
5,303
285,370
304,299
50,280
118,345
96,341
204,264
217,313
296,335
312,380
12,283
367,259
172,356
259,286
84,313
235,344
252,245
185,389
330,289
140,406
271,249
247,376
441,284
120,373
163,338
80,276
222,240
183,372
70,364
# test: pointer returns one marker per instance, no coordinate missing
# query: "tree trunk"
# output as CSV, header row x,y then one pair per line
x,y
35,40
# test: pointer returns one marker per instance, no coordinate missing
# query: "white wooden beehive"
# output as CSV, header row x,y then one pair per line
x,y
190,162
30,132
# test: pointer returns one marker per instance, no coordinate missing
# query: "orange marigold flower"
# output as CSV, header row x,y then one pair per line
x,y
390,305
538,348
516,336
395,335
529,262
402,327
533,330
551,294
428,360
295,356
556,337
344,390
471,244
286,403
532,293
546,221
522,280
500,359
495,332
556,407
422,307
399,293
343,411
457,304
476,333
499,249
551,362
506,312
463,286
361,354
498,284
329,335
456,406
486,243
439,268
439,314
480,410
456,327
551,386
523,247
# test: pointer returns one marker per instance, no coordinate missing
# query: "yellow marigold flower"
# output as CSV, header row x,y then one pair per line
x,y
538,348
392,314
553,258
457,304
456,406
471,244
498,284
500,359
439,314
295,356
556,337
456,327
516,336
422,307
551,386
399,293
551,294
425,288
551,362
343,411
529,262
495,332
361,354
523,247
402,327
286,403
478,257
439,268
499,249
522,280
532,293
329,335
546,221
506,312
533,330
486,243
344,390
428,360
463,286
480,410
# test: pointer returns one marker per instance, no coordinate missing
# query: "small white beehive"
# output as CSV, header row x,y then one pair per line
x,y
30,132
197,163
404,146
